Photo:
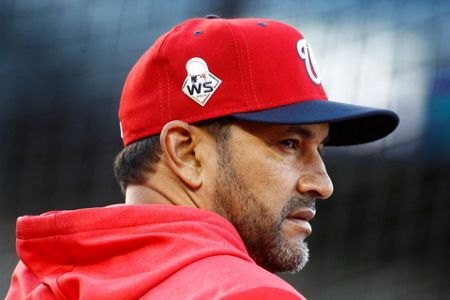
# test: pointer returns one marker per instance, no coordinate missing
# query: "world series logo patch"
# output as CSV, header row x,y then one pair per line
x,y
199,84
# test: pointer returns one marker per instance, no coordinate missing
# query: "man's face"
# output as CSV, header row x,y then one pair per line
x,y
268,180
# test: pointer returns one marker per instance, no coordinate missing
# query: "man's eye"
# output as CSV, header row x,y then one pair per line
x,y
290,143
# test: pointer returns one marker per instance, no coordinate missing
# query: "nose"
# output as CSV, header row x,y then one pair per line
x,y
314,180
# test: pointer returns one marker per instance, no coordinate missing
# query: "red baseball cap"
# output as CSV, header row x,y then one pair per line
x,y
251,69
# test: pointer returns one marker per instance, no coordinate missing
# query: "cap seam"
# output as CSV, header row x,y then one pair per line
x,y
167,103
161,54
236,48
250,71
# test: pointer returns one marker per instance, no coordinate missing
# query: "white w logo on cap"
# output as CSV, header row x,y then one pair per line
x,y
307,55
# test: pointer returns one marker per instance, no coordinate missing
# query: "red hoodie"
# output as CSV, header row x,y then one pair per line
x,y
137,251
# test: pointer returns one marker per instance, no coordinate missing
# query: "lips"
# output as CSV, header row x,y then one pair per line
x,y
305,214
300,219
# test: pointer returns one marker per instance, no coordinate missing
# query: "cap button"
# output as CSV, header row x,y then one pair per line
x,y
212,16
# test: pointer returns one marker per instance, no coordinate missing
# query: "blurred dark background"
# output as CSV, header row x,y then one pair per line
x,y
385,234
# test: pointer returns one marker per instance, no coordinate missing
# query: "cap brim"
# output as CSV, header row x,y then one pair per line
x,y
349,124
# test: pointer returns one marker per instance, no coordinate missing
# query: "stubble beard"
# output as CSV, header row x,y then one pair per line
x,y
259,229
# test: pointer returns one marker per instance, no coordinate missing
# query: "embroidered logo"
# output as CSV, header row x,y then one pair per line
x,y
199,84
307,55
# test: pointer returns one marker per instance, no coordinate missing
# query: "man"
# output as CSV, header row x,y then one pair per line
x,y
223,123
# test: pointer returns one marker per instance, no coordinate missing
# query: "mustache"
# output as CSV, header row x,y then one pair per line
x,y
298,202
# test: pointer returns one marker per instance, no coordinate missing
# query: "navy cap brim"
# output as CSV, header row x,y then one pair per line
x,y
349,124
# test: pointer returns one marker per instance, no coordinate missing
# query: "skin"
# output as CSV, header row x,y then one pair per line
x,y
265,180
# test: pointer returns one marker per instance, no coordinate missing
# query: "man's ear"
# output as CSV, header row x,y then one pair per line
x,y
178,144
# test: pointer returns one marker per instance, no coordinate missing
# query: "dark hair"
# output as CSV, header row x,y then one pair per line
x,y
137,160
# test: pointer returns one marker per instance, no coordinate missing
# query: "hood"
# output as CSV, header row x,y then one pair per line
x,y
135,246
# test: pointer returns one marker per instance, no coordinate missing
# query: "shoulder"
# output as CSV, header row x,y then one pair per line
x,y
224,277
246,280
263,293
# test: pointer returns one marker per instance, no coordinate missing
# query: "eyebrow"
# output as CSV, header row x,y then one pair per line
x,y
306,133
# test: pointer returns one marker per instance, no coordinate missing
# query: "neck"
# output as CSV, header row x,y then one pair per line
x,y
161,189
164,187
141,194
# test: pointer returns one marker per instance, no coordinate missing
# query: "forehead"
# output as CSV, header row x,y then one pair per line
x,y
314,132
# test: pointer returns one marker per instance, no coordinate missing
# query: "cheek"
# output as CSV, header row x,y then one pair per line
x,y
210,173
270,179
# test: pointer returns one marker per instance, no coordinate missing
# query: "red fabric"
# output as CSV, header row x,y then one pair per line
x,y
130,252
256,60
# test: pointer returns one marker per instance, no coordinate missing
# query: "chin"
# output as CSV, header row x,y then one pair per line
x,y
288,256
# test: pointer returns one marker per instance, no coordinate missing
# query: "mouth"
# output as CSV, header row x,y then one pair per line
x,y
300,219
